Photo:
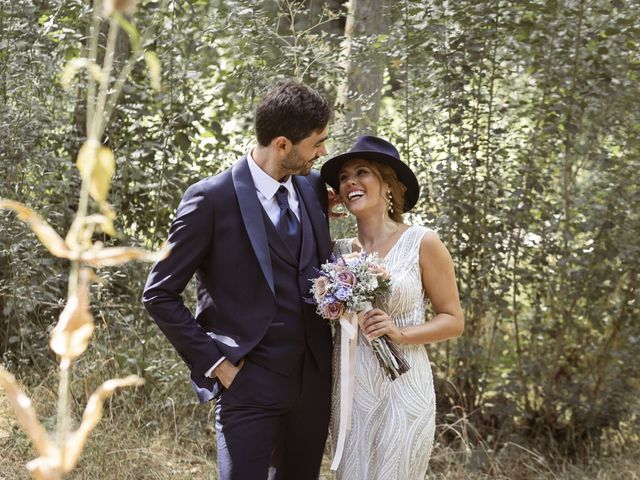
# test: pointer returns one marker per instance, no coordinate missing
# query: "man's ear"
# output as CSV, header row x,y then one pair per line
x,y
282,144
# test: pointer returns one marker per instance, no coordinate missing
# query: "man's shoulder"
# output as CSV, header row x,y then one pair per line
x,y
318,187
314,178
213,183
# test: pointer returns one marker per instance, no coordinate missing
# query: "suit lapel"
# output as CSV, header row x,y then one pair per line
x,y
251,211
316,216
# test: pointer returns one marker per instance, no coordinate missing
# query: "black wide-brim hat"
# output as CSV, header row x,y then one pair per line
x,y
369,147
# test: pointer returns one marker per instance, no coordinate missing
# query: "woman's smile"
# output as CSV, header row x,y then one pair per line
x,y
355,194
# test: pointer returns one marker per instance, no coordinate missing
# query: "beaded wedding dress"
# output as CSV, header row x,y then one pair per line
x,y
393,422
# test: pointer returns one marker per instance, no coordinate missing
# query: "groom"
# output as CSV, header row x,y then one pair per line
x,y
252,236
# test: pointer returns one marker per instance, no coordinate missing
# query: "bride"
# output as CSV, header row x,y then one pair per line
x,y
392,422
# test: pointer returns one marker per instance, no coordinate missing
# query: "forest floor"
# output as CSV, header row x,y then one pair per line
x,y
173,441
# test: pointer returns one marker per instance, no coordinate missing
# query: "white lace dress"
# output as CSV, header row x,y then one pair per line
x,y
393,422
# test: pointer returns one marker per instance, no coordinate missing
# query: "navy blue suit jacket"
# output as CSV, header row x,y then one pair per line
x,y
219,235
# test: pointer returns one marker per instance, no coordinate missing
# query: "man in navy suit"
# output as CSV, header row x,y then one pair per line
x,y
253,236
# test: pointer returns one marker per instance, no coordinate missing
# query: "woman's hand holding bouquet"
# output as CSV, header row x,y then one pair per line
x,y
351,284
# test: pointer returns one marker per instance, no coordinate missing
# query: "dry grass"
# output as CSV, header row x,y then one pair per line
x,y
133,441
139,439
515,462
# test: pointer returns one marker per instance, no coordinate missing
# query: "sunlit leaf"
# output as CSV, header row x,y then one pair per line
x,y
45,468
132,31
92,415
97,166
104,222
71,335
108,211
120,6
25,414
74,66
153,64
107,257
110,215
107,227
45,233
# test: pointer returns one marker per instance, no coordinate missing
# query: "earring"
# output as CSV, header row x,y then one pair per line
x,y
390,200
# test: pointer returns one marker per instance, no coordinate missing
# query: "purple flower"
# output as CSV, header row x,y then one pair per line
x,y
342,293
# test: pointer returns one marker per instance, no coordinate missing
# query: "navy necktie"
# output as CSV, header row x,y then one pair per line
x,y
288,226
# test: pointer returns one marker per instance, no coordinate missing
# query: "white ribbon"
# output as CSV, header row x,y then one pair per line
x,y
348,342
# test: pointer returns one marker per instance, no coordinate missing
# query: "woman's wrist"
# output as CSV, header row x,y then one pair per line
x,y
403,339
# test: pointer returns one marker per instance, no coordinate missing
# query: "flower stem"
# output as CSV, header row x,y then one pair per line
x,y
63,407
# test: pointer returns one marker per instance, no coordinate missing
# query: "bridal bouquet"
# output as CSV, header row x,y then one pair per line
x,y
348,285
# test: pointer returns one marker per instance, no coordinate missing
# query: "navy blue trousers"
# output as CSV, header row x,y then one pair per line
x,y
273,426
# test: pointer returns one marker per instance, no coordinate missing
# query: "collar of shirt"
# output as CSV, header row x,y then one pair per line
x,y
267,187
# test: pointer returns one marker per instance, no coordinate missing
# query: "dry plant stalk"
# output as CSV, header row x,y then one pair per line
x,y
59,453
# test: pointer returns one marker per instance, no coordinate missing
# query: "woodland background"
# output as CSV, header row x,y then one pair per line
x,y
522,121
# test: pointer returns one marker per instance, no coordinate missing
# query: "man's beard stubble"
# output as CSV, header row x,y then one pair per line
x,y
294,165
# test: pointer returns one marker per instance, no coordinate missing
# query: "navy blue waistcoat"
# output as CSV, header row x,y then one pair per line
x,y
288,336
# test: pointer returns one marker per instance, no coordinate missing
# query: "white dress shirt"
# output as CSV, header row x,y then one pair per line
x,y
266,188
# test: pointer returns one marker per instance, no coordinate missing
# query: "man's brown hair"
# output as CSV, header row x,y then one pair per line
x,y
290,109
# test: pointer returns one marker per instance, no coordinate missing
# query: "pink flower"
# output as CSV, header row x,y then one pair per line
x,y
377,270
333,311
346,278
320,286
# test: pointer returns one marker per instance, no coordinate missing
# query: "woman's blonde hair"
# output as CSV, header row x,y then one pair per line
x,y
386,174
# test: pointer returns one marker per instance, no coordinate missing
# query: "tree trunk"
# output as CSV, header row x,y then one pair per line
x,y
359,96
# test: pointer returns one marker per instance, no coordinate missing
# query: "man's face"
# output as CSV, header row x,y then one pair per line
x,y
303,154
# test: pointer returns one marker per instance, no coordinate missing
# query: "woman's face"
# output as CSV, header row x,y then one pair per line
x,y
360,188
